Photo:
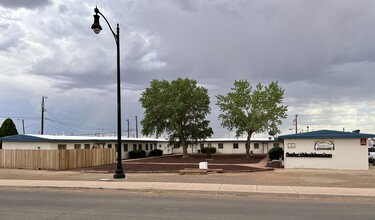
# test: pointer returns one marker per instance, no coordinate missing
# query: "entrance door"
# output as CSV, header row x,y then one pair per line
x,y
265,148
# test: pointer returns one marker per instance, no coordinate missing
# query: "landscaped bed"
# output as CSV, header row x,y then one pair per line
x,y
174,163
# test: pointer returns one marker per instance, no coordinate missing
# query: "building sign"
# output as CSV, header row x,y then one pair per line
x,y
324,145
291,145
363,141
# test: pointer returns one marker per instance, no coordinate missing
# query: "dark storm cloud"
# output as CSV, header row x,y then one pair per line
x,y
24,3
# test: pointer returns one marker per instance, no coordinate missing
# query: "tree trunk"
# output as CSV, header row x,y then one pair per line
x,y
249,133
184,148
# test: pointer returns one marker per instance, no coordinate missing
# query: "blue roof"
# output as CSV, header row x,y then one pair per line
x,y
23,138
326,134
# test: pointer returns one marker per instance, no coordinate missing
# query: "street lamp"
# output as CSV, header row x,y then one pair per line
x,y
119,172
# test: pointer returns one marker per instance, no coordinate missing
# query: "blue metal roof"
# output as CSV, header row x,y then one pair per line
x,y
326,134
23,138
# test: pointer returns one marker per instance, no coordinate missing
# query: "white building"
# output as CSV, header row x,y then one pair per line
x,y
326,149
52,142
234,145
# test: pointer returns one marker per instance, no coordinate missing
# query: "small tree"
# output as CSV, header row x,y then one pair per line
x,y
178,109
252,111
8,128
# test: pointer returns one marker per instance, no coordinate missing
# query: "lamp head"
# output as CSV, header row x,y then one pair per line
x,y
96,25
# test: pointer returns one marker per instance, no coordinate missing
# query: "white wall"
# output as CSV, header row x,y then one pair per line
x,y
347,155
27,145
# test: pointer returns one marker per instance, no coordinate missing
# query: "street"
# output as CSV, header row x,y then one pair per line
x,y
115,204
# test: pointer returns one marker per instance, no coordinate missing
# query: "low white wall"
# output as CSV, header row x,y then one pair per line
x,y
348,154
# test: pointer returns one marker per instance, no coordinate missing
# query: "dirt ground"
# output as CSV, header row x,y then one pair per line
x,y
174,163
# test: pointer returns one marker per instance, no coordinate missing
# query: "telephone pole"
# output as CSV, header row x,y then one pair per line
x,y
43,110
136,126
296,122
128,128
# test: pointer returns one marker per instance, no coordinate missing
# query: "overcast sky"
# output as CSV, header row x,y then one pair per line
x,y
321,52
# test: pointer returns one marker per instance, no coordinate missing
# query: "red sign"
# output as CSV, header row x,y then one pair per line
x,y
363,141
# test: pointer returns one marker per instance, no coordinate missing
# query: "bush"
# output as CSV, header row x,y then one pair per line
x,y
205,150
137,154
275,153
156,153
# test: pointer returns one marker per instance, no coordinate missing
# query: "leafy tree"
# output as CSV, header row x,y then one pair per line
x,y
8,128
252,111
178,109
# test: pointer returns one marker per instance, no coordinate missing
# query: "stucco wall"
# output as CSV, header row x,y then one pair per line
x,y
348,154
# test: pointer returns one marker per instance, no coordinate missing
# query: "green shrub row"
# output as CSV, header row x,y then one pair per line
x,y
137,154
141,153
211,150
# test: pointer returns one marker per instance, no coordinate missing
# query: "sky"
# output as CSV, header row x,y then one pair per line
x,y
321,52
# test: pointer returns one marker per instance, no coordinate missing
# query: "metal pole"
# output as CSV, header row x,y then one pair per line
x,y
296,123
119,172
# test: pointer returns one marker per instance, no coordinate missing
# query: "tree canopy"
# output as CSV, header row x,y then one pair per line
x,y
248,110
177,109
8,128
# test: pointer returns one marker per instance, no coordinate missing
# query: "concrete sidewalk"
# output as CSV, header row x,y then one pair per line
x,y
201,188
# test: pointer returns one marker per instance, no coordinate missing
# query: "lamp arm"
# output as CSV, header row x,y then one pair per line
x,y
114,35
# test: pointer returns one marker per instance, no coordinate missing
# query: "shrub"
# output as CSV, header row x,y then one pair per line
x,y
205,150
137,154
275,153
156,153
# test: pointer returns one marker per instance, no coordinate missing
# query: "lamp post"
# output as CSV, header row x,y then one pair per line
x,y
119,172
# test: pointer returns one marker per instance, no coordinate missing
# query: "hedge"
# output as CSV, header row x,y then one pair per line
x,y
137,154
276,153
156,153
205,150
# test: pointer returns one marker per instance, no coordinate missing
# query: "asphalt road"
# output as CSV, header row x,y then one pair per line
x,y
89,204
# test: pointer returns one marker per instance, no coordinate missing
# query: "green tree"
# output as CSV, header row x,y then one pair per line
x,y
8,128
178,109
252,111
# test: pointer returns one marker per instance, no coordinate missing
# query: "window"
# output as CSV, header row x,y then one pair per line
x,y
134,146
159,145
209,145
87,146
151,146
221,146
235,145
125,147
77,146
61,146
202,146
146,146
256,145
109,145
116,147
139,146
276,145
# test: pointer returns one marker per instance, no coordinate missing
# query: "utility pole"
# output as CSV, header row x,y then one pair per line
x,y
43,110
296,123
136,126
23,126
128,128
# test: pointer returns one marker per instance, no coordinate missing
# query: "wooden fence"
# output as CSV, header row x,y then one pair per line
x,y
56,159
